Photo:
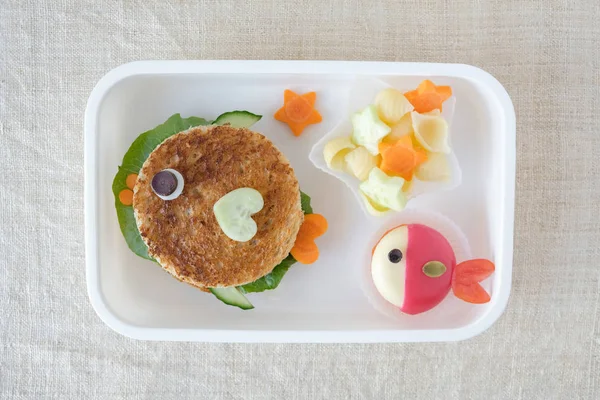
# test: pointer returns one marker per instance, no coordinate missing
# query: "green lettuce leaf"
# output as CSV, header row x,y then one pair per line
x,y
271,280
305,203
133,160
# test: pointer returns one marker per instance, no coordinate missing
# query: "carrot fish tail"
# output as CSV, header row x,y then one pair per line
x,y
466,278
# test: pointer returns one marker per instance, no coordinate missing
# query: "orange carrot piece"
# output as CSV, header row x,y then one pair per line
x,y
400,158
428,96
314,225
445,92
305,253
131,180
426,86
473,293
473,271
311,97
298,111
126,197
411,95
305,250
466,278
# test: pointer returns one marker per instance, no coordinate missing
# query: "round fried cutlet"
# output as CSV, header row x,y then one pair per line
x,y
183,234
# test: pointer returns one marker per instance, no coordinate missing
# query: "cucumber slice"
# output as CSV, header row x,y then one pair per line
x,y
233,297
385,191
233,212
368,129
237,119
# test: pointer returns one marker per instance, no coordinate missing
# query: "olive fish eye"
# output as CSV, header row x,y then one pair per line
x,y
434,269
395,256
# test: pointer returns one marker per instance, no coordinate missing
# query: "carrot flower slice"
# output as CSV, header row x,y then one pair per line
x,y
305,250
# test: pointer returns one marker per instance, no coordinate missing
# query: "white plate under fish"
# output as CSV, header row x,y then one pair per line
x,y
323,302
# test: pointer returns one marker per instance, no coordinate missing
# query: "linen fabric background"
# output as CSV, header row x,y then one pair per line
x,y
545,52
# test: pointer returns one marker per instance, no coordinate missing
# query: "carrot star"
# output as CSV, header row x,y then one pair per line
x,y
298,111
401,158
428,96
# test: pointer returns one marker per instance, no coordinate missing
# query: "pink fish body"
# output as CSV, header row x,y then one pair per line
x,y
414,267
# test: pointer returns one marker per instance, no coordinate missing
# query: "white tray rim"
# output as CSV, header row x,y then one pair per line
x,y
371,68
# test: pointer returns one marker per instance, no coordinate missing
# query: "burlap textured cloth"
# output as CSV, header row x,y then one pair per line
x,y
545,52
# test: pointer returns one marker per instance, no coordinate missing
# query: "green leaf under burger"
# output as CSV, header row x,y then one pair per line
x,y
305,203
271,280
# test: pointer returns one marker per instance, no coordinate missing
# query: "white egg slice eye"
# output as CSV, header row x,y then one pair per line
x,y
388,265
167,184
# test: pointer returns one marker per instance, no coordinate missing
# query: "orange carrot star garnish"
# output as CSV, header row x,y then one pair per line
x,y
428,96
401,158
298,111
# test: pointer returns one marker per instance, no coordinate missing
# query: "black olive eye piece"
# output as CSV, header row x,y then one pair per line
x,y
167,184
164,183
395,256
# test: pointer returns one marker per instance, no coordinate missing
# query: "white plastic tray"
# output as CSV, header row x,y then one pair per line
x,y
323,302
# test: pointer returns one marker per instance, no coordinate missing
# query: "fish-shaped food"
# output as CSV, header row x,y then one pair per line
x,y
414,267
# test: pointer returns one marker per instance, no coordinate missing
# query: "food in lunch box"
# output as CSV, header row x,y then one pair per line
x,y
298,111
401,157
305,250
401,136
368,129
428,97
414,267
216,205
381,188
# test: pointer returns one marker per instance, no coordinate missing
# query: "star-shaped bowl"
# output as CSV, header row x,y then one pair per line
x,y
363,93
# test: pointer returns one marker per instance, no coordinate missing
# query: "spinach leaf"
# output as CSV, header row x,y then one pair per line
x,y
305,203
271,280
133,160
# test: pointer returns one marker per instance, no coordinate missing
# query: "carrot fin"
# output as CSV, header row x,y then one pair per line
x,y
466,278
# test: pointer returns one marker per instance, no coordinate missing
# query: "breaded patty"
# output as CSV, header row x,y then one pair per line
x,y
183,234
